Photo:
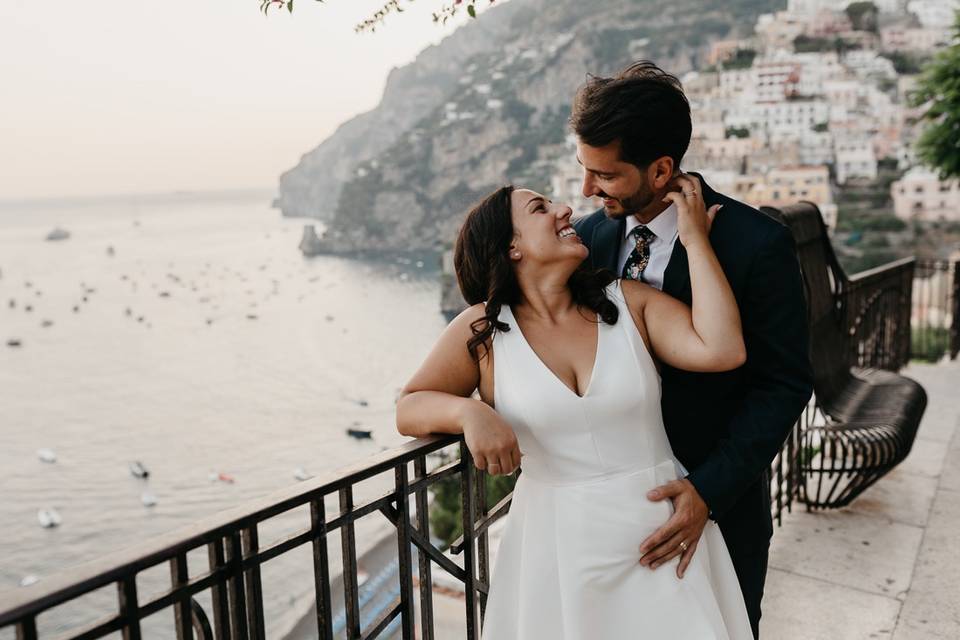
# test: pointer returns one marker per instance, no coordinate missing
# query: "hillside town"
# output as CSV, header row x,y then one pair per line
x,y
814,106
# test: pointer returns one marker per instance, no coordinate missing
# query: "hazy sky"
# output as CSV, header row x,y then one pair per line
x,y
156,95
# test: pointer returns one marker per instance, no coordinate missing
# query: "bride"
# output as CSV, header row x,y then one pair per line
x,y
565,361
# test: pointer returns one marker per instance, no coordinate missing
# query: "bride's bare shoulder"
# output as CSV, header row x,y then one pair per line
x,y
636,293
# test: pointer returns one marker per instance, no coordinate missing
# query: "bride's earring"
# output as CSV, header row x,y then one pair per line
x,y
515,255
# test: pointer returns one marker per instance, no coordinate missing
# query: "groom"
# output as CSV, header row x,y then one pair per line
x,y
632,131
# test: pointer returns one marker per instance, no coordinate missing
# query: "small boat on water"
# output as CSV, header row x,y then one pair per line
x,y
222,477
28,580
148,499
47,455
58,234
138,470
301,474
14,342
48,518
360,434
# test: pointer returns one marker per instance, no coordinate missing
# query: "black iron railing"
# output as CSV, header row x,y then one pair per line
x,y
231,578
935,310
876,307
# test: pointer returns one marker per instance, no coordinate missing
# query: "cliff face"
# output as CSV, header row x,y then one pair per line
x,y
487,106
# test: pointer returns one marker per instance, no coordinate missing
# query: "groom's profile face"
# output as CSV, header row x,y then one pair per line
x,y
622,185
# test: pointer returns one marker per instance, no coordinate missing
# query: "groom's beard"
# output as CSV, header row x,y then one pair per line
x,y
630,205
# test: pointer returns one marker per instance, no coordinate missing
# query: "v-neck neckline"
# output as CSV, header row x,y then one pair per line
x,y
550,372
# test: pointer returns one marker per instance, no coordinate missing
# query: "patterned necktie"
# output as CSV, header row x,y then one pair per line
x,y
640,256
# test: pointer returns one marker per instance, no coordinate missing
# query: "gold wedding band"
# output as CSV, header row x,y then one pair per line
x,y
690,193
683,545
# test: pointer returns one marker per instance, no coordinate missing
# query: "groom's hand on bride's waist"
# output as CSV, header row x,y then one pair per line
x,y
680,534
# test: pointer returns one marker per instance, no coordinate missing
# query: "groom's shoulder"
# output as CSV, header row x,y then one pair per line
x,y
749,225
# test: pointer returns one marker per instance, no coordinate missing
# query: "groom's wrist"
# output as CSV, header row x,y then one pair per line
x,y
693,481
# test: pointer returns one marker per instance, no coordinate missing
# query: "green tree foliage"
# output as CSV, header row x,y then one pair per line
x,y
905,63
938,90
446,11
863,16
446,511
737,132
742,59
807,44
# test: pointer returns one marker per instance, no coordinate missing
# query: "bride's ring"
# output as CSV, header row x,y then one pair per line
x,y
683,545
692,192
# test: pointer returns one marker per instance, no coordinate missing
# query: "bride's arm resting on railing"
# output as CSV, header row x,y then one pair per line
x,y
438,398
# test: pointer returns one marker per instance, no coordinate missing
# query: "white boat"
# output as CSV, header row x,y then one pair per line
x,y
148,499
28,580
138,470
58,234
47,455
48,518
301,474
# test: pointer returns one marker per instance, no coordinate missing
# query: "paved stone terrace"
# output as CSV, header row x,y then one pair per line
x,y
887,566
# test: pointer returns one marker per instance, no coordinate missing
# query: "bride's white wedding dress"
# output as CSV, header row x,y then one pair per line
x,y
568,563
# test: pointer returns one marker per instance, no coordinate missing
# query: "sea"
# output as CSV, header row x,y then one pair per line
x,y
186,331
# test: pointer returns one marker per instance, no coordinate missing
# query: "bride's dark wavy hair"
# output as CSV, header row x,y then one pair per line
x,y
485,272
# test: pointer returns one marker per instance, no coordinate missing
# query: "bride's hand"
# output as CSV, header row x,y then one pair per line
x,y
490,440
693,217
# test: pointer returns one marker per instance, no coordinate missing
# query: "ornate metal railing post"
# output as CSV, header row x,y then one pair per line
x,y
321,568
127,596
468,496
406,561
179,576
221,606
27,629
955,311
348,546
254,586
423,561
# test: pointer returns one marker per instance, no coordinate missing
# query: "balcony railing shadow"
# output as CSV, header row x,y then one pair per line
x,y
859,324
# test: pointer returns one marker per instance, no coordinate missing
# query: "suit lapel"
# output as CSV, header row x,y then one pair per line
x,y
605,244
676,279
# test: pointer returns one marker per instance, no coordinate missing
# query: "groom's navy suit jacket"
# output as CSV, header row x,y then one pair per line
x,y
727,427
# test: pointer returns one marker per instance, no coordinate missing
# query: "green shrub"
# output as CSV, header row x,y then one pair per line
x,y
446,511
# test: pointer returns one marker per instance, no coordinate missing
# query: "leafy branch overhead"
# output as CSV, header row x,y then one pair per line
x,y
447,10
938,93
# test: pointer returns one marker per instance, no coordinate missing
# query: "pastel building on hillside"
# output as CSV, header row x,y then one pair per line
x,y
779,187
855,158
921,195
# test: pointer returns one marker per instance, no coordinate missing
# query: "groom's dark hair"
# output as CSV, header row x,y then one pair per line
x,y
643,107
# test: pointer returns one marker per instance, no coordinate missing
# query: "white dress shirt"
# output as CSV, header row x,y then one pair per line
x,y
664,228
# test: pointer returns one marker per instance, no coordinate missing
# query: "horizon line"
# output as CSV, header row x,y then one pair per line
x,y
133,194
